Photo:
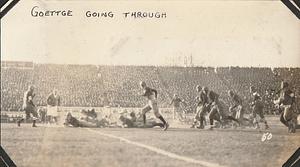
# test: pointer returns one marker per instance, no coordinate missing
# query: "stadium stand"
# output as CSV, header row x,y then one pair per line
x,y
117,86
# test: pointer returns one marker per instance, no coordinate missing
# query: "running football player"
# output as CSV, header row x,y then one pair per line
x,y
257,107
151,95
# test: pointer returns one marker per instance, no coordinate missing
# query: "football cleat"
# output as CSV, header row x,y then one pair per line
x,y
166,126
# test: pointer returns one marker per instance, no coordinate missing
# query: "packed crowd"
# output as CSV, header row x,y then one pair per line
x,y
117,86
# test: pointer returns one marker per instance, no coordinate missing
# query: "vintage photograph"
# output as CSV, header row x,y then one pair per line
x,y
153,83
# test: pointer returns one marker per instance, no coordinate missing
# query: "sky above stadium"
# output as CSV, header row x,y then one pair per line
x,y
214,33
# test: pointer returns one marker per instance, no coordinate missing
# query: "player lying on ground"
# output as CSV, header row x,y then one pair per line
x,y
151,95
74,122
89,115
134,122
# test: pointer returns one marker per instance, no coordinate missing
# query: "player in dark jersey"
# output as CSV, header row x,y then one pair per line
x,y
177,113
29,107
236,108
53,102
286,101
151,95
257,107
202,106
215,109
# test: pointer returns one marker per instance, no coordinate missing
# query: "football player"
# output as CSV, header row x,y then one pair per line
x,y
202,106
177,113
286,101
53,102
215,109
134,122
74,122
236,107
151,95
29,107
257,107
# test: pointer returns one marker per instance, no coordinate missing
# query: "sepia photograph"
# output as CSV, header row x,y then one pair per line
x,y
152,83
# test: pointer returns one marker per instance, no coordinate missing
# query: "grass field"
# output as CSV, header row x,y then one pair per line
x,y
117,147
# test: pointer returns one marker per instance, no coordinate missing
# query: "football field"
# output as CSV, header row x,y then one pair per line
x,y
120,147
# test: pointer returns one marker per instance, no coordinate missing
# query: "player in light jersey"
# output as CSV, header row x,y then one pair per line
x,y
151,95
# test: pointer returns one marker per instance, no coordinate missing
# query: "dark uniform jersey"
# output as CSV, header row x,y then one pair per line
x,y
149,93
203,99
53,100
128,122
287,97
258,105
72,121
236,100
27,100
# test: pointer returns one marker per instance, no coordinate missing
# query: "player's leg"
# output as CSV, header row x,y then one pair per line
x,y
291,117
34,116
174,113
231,118
255,121
146,109
196,118
202,116
27,116
287,115
159,116
240,115
214,115
262,116
294,122
282,120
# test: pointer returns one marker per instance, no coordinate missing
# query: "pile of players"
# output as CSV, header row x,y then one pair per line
x,y
89,119
209,105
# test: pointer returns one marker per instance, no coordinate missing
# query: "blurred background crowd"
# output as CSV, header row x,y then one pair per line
x,y
118,86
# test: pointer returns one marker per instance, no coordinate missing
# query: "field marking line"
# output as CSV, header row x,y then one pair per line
x,y
159,151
